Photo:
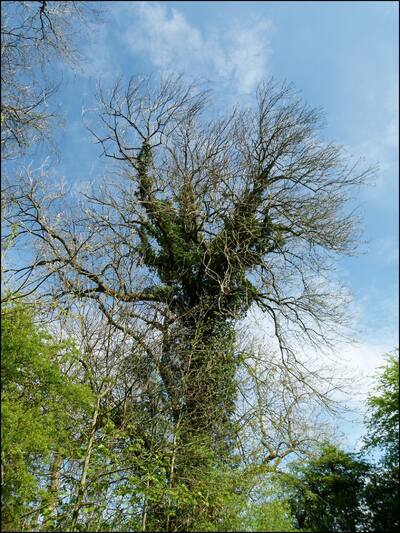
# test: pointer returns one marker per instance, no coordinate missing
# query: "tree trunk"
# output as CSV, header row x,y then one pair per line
x,y
85,469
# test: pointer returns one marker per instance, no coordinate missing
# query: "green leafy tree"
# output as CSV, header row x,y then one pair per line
x,y
41,409
267,509
382,491
326,492
383,419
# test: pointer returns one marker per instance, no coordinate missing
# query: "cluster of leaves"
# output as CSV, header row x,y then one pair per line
x,y
383,421
326,491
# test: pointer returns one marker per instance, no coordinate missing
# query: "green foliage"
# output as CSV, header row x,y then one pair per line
x,y
274,515
382,499
37,402
382,490
182,481
326,492
169,244
383,420
337,491
265,508
206,495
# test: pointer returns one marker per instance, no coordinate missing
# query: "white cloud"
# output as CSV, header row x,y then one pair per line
x,y
237,53
362,361
164,35
358,360
391,106
352,366
385,251
243,53
392,133
380,146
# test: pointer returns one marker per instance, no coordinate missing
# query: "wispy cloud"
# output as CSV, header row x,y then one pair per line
x,y
100,53
385,251
379,145
392,108
236,53
352,367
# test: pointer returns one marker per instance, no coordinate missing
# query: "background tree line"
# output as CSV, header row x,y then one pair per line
x,y
131,397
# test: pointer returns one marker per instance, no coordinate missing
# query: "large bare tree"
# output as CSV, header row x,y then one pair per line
x,y
208,216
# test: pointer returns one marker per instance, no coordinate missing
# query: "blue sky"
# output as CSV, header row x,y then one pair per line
x,y
342,56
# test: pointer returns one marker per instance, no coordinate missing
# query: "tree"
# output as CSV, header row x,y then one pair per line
x,y
33,35
382,491
267,509
326,492
383,419
114,459
38,402
210,218
337,491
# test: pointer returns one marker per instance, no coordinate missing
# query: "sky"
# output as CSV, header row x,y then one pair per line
x,y
341,56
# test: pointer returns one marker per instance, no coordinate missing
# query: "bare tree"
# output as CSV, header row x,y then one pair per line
x,y
34,35
207,218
